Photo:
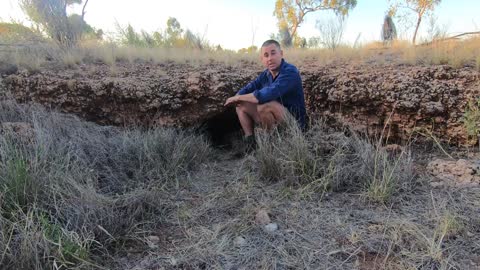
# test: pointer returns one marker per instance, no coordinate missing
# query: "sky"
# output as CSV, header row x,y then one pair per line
x,y
238,24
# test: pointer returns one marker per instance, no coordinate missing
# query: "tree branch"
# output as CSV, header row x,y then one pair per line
x,y
83,10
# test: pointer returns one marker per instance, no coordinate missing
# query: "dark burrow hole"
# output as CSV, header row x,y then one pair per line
x,y
223,129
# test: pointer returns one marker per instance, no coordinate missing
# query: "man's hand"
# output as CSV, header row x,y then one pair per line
x,y
232,100
241,98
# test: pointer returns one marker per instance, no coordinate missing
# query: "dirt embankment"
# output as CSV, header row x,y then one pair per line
x,y
367,96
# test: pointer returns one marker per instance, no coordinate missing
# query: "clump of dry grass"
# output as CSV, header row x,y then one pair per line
x,y
77,190
320,160
426,245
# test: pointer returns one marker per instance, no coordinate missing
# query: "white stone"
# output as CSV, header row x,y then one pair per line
x,y
271,227
239,241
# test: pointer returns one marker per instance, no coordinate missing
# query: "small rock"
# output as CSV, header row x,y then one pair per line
x,y
271,227
140,94
262,217
153,238
239,241
152,241
436,184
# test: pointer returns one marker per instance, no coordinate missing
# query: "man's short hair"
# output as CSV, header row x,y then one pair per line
x,y
270,42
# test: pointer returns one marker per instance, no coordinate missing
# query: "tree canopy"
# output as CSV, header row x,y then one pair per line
x,y
50,17
291,14
419,7
389,31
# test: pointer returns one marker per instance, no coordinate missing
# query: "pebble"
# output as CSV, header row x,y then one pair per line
x,y
271,227
262,217
239,241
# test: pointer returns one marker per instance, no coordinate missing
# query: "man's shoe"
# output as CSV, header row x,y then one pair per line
x,y
250,144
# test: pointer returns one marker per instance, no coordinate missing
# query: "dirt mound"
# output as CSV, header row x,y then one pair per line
x,y
431,99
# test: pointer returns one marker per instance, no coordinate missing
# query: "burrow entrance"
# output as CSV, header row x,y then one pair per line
x,y
223,129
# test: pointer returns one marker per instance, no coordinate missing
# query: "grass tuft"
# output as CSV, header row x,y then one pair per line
x,y
322,160
77,190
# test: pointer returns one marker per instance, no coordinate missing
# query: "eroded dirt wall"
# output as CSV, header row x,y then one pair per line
x,y
365,96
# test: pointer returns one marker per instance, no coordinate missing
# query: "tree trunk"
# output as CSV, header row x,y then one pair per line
x,y
416,29
83,10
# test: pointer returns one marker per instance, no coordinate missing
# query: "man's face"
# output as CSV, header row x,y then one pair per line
x,y
271,57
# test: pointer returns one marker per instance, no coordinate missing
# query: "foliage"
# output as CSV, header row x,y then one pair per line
x,y
50,17
251,49
173,33
389,31
436,32
174,36
291,14
419,7
15,32
331,32
82,29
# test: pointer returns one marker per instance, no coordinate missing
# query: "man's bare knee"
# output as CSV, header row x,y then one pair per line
x,y
249,109
272,108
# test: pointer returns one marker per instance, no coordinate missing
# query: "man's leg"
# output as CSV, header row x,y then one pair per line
x,y
271,114
247,115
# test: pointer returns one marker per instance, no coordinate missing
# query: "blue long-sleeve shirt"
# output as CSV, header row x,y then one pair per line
x,y
286,88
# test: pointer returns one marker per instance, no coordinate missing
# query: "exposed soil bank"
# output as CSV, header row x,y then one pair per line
x,y
366,96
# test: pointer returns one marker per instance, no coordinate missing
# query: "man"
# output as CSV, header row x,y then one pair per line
x,y
266,99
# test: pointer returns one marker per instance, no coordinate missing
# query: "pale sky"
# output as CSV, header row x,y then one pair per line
x,y
235,24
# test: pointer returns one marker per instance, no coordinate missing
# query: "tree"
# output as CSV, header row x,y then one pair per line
x,y
50,16
389,31
173,33
172,37
418,7
291,13
285,37
331,31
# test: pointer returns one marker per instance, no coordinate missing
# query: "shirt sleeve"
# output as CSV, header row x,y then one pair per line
x,y
252,86
286,82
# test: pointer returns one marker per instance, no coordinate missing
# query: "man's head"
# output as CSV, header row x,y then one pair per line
x,y
271,55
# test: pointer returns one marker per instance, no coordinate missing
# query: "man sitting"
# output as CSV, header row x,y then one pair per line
x,y
264,100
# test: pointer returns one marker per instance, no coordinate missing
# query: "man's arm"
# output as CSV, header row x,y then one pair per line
x,y
239,98
252,86
245,94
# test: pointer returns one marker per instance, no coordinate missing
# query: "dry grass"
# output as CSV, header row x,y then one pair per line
x,y
77,191
34,56
84,196
320,160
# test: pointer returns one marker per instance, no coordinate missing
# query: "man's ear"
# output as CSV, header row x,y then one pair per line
x,y
281,53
